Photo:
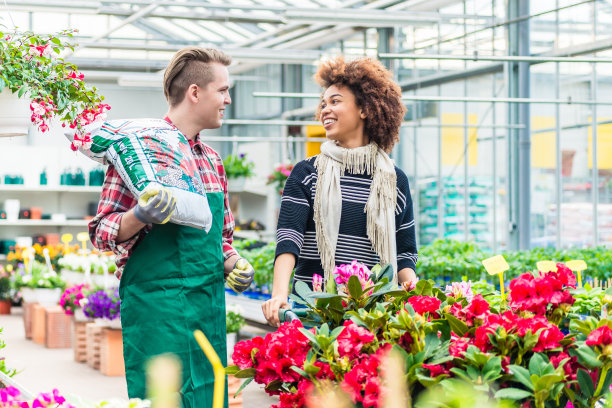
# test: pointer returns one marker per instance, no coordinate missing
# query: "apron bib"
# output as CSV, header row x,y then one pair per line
x,y
172,285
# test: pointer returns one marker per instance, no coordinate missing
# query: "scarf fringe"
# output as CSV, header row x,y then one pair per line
x,y
324,246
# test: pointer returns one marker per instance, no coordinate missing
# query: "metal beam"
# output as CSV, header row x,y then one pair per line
x,y
477,57
212,15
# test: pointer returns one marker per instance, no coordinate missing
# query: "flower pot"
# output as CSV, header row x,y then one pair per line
x,y
79,315
28,295
236,185
231,342
48,297
14,114
5,307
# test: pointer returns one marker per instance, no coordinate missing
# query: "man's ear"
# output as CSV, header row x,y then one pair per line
x,y
193,93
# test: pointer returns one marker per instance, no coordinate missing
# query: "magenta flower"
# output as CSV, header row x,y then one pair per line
x,y
317,283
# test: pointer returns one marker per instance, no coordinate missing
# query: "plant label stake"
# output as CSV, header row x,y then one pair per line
x,y
28,259
83,237
66,239
546,266
577,266
497,265
47,259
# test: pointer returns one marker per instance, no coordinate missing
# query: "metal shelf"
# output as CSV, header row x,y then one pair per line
x,y
20,188
44,223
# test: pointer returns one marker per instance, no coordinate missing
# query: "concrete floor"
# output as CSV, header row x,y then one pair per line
x,y
42,369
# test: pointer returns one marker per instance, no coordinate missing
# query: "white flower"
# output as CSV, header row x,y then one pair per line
x,y
26,278
37,108
232,307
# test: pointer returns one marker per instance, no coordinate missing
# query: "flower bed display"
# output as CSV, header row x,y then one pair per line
x,y
507,349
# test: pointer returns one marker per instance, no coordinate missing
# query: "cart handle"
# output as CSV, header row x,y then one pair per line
x,y
288,315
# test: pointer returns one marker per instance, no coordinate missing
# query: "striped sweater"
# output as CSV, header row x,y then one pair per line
x,y
296,228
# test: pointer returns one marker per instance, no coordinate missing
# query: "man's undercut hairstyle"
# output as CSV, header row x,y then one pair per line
x,y
191,65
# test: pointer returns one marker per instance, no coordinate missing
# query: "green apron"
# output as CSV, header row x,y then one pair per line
x,y
172,285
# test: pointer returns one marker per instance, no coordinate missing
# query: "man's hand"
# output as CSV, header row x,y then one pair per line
x,y
270,309
241,277
155,206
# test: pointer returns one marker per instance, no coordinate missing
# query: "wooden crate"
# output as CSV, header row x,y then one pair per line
x,y
28,310
39,325
233,384
94,337
79,341
111,353
59,333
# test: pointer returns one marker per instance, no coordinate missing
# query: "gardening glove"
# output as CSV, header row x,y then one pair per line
x,y
241,277
155,206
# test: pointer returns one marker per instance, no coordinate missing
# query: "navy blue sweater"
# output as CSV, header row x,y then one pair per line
x,y
296,228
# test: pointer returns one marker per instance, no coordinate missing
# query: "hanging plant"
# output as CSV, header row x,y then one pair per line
x,y
31,67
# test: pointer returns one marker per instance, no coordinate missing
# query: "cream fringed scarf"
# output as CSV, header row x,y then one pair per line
x,y
331,164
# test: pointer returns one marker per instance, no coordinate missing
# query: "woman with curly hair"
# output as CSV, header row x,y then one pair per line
x,y
349,202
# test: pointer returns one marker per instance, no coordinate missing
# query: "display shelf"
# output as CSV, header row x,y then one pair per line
x,y
20,188
44,223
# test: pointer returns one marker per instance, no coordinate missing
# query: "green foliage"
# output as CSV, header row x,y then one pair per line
x,y
238,166
3,368
234,321
261,258
40,277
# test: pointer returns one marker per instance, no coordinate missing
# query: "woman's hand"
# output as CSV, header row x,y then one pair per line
x,y
270,309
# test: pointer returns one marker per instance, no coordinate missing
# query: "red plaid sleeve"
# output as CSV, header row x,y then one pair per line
x,y
115,200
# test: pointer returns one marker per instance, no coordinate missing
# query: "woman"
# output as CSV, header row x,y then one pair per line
x,y
350,202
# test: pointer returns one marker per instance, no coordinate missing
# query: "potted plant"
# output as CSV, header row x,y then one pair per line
x,y
104,306
72,301
5,291
279,176
33,69
237,169
46,284
233,322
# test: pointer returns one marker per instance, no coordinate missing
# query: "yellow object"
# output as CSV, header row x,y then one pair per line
x,y
453,144
496,265
164,381
83,237
604,145
66,239
546,266
148,194
577,266
314,148
218,369
543,144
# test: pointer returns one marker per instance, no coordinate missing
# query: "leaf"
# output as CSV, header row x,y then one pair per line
x,y
546,382
586,383
303,291
536,365
587,356
431,344
299,371
354,287
424,287
22,90
231,370
246,373
243,386
521,375
385,272
309,335
512,394
457,326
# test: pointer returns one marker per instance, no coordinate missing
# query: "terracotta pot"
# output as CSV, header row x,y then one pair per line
x,y
5,307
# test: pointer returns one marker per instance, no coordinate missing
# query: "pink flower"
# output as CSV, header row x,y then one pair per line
x,y
460,290
436,370
317,283
600,337
343,272
37,108
352,339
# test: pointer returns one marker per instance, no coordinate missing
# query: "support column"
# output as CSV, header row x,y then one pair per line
x,y
519,141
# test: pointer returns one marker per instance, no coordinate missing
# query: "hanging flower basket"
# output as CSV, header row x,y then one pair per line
x,y
14,115
32,69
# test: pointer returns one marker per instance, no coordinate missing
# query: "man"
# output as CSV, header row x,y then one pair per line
x,y
171,275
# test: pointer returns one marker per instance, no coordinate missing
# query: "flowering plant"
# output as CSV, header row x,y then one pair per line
x,y
56,252
72,298
5,284
39,277
238,166
233,319
32,67
11,397
515,351
279,176
102,304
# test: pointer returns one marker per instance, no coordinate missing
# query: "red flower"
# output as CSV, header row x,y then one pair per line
x,y
243,351
297,400
425,304
325,371
405,341
436,370
570,367
458,346
352,339
565,275
363,378
600,337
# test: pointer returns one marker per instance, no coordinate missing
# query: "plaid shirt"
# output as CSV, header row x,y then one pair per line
x,y
116,199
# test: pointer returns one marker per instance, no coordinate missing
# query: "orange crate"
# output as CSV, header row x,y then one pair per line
x,y
79,341
39,326
111,353
94,337
59,333
28,310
